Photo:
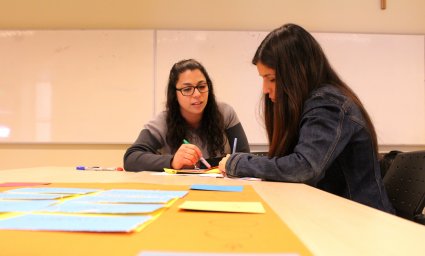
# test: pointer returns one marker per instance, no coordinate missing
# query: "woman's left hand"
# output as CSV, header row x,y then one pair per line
x,y
222,165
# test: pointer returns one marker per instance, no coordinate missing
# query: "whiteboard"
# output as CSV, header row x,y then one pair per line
x,y
102,86
82,86
386,71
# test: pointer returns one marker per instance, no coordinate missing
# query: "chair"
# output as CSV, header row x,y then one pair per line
x,y
405,185
386,159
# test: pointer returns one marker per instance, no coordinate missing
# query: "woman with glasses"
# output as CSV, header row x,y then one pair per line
x,y
318,130
192,115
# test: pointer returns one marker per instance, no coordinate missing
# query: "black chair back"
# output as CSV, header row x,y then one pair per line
x,y
405,185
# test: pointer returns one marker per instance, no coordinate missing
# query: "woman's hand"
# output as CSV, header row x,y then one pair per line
x,y
222,165
186,156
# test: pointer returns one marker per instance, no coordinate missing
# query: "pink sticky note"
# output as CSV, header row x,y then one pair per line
x,y
22,184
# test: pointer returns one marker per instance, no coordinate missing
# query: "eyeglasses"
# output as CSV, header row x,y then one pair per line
x,y
190,90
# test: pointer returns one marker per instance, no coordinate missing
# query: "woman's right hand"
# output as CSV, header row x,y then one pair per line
x,y
186,156
222,165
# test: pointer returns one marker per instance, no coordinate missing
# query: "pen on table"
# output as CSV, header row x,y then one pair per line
x,y
235,143
202,159
98,168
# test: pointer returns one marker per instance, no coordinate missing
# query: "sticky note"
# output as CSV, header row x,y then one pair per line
x,y
24,196
81,207
22,184
223,206
216,187
54,222
50,190
24,205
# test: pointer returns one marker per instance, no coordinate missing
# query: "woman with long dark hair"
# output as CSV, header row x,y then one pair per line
x,y
192,114
319,133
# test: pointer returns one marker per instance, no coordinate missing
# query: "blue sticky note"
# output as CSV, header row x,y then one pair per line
x,y
51,190
54,222
216,188
143,193
24,205
79,207
24,196
124,199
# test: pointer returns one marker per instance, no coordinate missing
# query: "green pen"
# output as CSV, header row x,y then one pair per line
x,y
202,159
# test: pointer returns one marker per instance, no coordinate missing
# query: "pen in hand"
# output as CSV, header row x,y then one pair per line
x,y
202,159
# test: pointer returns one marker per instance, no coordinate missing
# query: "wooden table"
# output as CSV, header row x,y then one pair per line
x,y
326,224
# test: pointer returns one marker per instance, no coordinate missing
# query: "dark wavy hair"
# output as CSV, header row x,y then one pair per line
x,y
212,123
301,66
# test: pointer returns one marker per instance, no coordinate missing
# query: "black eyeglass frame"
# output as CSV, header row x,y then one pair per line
x,y
193,89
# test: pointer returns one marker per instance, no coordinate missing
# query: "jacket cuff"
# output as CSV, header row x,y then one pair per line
x,y
232,162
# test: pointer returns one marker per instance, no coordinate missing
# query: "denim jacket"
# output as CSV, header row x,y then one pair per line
x,y
334,153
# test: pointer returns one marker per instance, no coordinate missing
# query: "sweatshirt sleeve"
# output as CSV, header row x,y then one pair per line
x,y
143,155
238,132
234,129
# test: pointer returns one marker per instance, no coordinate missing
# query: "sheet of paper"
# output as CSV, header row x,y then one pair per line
x,y
216,187
50,190
192,171
79,207
223,206
211,175
24,205
55,222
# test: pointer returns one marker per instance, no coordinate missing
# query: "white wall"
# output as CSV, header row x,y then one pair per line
x,y
360,16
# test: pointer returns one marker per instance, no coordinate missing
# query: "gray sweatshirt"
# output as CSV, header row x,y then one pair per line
x,y
151,152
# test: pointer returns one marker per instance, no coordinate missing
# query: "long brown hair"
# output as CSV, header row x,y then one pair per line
x,y
301,67
212,123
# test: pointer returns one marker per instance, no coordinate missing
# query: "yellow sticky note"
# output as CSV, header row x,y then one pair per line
x,y
170,171
214,170
221,206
